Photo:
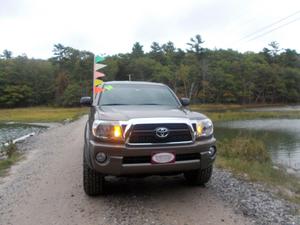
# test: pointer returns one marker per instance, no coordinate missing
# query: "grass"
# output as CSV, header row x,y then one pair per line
x,y
247,157
231,115
7,163
41,114
234,112
13,157
225,107
215,112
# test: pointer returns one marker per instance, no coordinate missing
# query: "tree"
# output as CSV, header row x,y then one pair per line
x,y
198,51
16,96
212,76
59,52
71,95
274,48
142,68
7,54
289,58
169,48
137,50
195,45
62,82
157,53
191,78
271,53
183,74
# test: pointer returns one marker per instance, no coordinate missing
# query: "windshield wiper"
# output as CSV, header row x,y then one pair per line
x,y
113,104
150,104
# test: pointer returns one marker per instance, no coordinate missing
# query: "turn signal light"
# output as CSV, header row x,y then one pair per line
x,y
117,131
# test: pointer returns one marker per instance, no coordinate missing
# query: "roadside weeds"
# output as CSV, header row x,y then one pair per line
x,y
247,158
10,155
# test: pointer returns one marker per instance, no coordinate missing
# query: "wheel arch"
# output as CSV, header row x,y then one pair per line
x,y
86,151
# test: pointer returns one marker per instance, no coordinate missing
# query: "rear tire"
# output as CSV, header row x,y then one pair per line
x,y
93,182
199,177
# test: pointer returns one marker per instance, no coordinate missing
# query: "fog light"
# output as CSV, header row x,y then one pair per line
x,y
212,150
101,157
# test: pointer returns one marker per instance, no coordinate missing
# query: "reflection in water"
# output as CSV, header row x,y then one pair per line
x,y
281,136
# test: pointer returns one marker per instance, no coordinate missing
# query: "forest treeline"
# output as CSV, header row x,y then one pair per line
x,y
204,75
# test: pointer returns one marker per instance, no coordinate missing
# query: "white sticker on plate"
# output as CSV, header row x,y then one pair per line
x,y
163,157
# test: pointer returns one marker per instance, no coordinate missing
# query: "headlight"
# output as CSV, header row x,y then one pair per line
x,y
107,130
204,128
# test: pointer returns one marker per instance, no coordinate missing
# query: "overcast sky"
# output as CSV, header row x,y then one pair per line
x,y
112,26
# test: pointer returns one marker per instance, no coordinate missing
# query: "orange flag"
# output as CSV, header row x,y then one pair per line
x,y
98,90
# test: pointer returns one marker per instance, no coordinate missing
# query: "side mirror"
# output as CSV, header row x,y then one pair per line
x,y
185,101
86,101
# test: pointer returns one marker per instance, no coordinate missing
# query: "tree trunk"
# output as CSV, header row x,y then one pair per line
x,y
191,90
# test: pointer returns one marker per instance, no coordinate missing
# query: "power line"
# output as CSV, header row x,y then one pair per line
x,y
283,25
270,25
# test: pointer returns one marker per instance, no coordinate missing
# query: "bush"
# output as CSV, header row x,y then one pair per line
x,y
244,148
10,149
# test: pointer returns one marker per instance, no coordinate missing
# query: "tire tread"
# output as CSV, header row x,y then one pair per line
x,y
199,177
93,182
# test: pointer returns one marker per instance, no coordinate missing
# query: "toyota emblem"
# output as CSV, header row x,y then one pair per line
x,y
162,132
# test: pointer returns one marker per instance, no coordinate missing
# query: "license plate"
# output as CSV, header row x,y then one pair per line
x,y
162,157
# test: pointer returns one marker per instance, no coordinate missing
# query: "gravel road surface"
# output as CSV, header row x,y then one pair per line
x,y
46,188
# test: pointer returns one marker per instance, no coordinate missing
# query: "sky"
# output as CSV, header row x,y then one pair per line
x,y
113,26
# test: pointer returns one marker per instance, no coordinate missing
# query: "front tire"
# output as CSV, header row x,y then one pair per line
x,y
93,182
199,177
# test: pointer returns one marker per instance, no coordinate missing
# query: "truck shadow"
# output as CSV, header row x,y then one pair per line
x,y
152,200
152,185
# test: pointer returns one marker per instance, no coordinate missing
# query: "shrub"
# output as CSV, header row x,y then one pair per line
x,y
244,148
10,149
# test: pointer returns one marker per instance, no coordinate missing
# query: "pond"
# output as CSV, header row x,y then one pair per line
x,y
281,137
12,131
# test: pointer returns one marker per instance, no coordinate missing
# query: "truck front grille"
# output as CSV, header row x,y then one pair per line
x,y
146,134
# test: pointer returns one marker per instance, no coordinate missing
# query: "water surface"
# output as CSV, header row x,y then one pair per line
x,y
281,136
10,132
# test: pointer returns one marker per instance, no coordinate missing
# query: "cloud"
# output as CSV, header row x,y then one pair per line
x,y
33,27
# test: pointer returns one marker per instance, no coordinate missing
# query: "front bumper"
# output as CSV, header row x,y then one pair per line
x,y
117,153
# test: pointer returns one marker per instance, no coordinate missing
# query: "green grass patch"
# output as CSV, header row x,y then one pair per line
x,y
7,163
41,114
235,112
224,107
229,115
13,157
245,148
247,157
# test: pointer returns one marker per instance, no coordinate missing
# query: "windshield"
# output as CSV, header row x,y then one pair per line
x,y
138,94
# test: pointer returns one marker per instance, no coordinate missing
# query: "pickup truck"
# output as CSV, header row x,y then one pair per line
x,y
141,129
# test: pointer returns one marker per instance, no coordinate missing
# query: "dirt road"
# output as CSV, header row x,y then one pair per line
x,y
46,188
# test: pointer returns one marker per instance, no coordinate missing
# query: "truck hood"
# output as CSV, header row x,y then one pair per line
x,y
127,112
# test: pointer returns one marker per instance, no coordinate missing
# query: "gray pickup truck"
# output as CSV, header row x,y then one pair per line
x,y
140,129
